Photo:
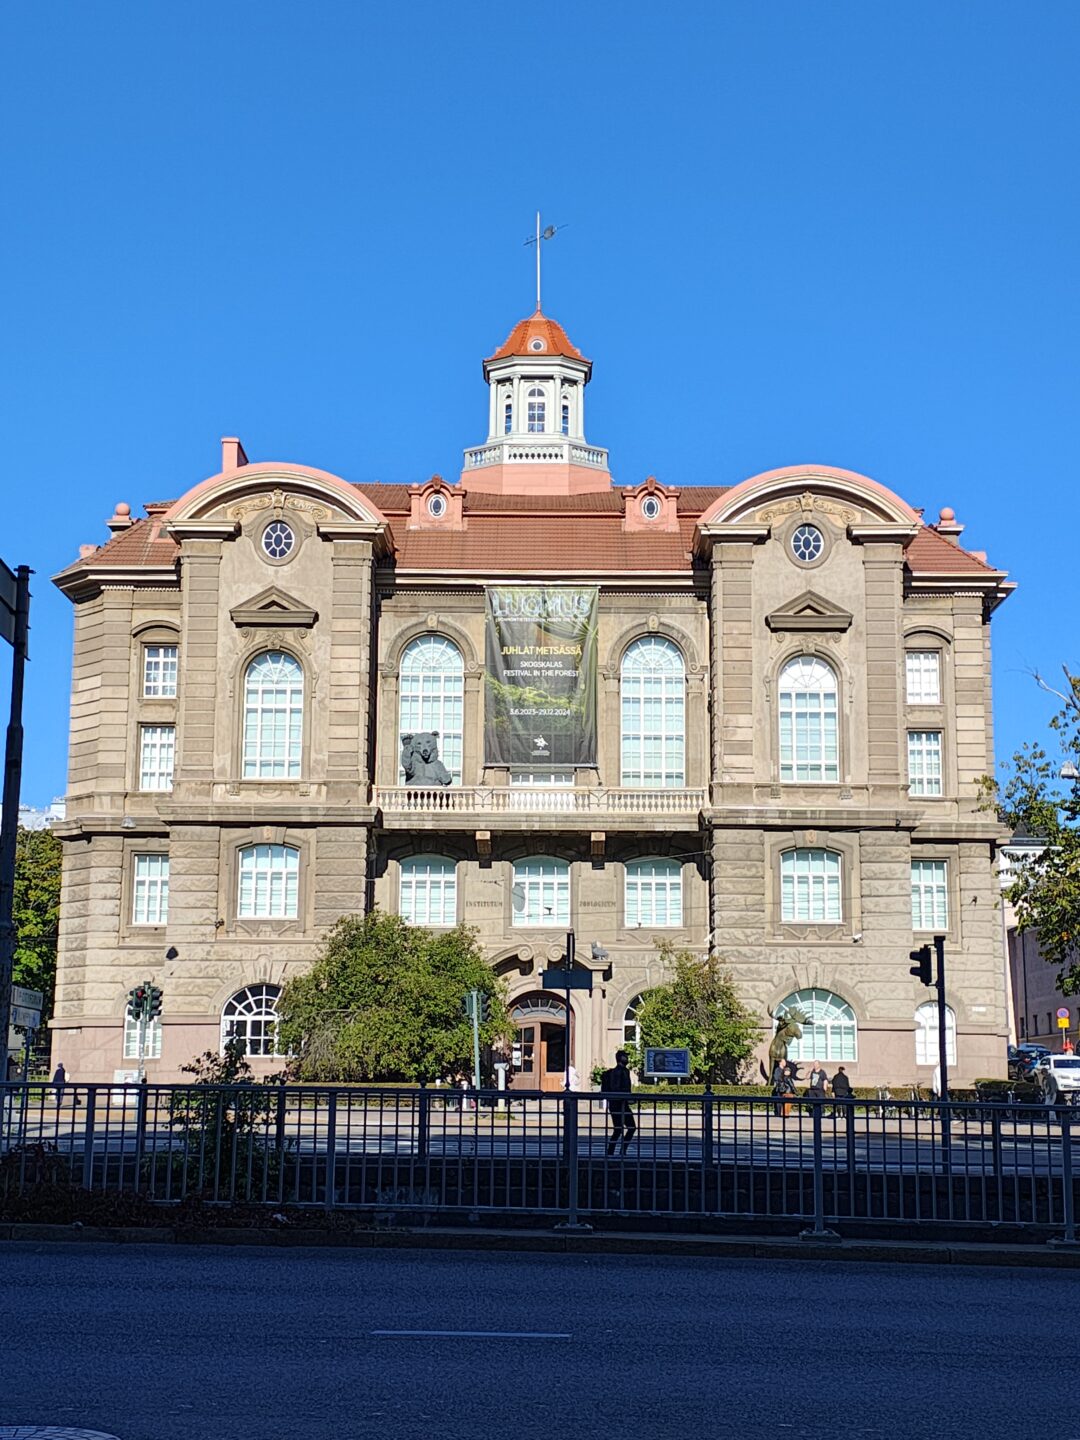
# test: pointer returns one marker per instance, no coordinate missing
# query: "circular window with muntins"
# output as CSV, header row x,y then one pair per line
x,y
536,344
278,540
650,507
436,506
807,543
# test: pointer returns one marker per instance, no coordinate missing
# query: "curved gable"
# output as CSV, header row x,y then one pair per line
x,y
751,499
213,498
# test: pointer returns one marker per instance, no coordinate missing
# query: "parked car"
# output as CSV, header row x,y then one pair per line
x,y
1024,1058
1058,1077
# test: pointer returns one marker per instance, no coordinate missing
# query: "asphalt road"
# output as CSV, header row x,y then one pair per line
x,y
155,1343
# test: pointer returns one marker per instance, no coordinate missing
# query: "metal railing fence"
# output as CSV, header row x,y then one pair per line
x,y
574,1157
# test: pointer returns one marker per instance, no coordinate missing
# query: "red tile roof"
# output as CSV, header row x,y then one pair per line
x,y
537,326
933,554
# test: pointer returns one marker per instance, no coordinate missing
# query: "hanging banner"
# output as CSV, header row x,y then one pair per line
x,y
540,685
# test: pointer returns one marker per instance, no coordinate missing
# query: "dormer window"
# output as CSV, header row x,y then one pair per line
x,y
436,506
537,412
650,508
564,423
508,415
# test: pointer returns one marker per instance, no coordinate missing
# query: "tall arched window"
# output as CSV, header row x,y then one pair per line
x,y
537,410
250,1016
809,726
541,892
269,883
829,1031
653,892
428,890
564,418
926,1034
810,888
653,698
631,1025
508,415
432,695
273,717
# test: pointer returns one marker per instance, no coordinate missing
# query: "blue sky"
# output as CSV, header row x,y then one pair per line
x,y
839,233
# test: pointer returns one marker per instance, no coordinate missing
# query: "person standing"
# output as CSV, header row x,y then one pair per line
x,y
817,1082
783,1084
616,1084
59,1079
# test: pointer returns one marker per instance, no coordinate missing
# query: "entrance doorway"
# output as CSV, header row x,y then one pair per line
x,y
541,1034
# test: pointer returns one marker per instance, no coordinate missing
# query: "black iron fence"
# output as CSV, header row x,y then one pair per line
x,y
575,1157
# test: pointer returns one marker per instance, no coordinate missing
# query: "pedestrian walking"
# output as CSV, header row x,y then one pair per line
x,y
783,1085
817,1083
59,1079
616,1084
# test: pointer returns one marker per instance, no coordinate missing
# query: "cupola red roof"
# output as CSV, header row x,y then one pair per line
x,y
524,338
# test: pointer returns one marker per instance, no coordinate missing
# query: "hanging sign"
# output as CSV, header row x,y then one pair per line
x,y
540,681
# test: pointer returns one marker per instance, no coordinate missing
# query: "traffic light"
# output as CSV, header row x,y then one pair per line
x,y
137,1002
485,1005
153,1009
923,967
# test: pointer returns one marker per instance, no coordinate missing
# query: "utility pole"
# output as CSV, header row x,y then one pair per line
x,y
15,628
942,1017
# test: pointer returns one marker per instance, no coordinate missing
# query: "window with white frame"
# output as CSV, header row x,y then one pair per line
x,y
923,677
929,895
428,890
809,722
541,777
250,1017
926,1034
631,1025
810,887
273,717
151,1043
653,892
564,425
269,883
829,1031
150,890
431,689
157,754
924,762
653,706
159,672
508,415
537,410
541,892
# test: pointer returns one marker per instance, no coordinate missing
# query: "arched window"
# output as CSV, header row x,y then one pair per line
x,y
432,695
537,410
829,1031
541,892
273,717
653,892
250,1016
631,1025
508,415
269,883
428,894
810,889
652,688
564,419
809,728
926,1034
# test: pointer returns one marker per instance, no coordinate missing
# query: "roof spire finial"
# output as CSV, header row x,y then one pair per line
x,y
548,233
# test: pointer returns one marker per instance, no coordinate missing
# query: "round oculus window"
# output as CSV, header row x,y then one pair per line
x,y
650,507
436,506
536,344
807,543
278,540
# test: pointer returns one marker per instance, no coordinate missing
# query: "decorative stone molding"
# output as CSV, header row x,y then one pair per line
x,y
809,612
809,504
278,502
273,607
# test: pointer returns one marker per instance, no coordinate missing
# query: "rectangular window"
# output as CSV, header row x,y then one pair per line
x,y
157,746
923,677
653,894
269,883
428,892
150,890
541,893
924,762
810,887
159,672
929,895
809,737
152,1042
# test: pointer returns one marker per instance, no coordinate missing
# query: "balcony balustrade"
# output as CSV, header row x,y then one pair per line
x,y
524,800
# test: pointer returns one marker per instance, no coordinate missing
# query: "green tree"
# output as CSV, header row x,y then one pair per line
x,y
1034,797
385,1001
36,912
698,1008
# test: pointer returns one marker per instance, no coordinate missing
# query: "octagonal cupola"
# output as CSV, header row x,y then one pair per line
x,y
536,417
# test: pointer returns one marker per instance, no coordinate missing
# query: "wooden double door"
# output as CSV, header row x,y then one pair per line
x,y
543,1055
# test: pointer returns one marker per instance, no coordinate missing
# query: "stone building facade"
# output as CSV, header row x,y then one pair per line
x,y
792,716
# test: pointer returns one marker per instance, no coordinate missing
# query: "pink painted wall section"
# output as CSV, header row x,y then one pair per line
x,y
529,479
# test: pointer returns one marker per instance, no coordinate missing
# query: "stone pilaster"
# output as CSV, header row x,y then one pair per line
x,y
883,578
201,688
349,727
